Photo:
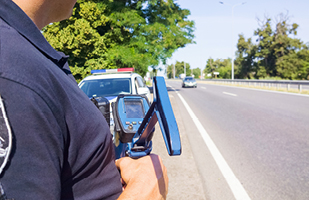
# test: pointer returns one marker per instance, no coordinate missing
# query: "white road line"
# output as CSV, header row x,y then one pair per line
x,y
203,87
235,95
233,182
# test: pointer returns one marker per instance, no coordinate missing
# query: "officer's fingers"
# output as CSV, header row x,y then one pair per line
x,y
128,168
122,162
151,161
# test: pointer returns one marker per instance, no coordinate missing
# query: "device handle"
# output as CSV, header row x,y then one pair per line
x,y
166,117
161,111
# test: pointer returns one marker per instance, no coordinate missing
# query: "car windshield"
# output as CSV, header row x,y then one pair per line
x,y
189,79
106,87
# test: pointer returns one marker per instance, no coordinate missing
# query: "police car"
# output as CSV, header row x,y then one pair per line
x,y
109,83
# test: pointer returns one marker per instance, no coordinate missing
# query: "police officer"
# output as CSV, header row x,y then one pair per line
x,y
55,144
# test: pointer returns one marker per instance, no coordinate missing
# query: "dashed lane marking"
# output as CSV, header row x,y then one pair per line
x,y
235,95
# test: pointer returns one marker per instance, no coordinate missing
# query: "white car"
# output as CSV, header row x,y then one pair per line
x,y
189,82
109,83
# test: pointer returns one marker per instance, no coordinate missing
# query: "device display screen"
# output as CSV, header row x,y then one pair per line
x,y
134,109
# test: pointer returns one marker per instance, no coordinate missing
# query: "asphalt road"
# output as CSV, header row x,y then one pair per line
x,y
263,137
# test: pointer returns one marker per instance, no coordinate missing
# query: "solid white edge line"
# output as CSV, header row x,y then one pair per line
x,y
237,189
235,95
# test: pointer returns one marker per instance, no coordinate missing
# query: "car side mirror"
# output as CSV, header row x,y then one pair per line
x,y
142,90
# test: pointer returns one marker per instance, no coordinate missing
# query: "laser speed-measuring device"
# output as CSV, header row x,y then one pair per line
x,y
135,120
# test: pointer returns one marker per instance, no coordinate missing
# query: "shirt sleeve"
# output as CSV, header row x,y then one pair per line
x,y
34,167
57,153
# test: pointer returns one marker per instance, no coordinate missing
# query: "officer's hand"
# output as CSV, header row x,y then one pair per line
x,y
144,178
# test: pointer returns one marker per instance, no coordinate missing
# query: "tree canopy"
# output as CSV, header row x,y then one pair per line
x,y
179,69
196,72
277,52
223,66
121,33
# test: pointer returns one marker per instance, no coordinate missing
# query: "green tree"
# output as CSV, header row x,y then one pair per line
x,y
170,71
210,67
223,66
265,50
188,68
294,66
278,50
303,67
245,57
196,72
179,69
286,48
115,34
277,53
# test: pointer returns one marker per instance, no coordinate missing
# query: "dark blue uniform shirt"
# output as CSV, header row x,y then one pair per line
x,y
62,147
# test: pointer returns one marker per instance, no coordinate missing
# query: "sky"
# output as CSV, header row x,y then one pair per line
x,y
216,29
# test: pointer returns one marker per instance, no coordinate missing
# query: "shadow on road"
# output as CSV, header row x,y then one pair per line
x,y
169,89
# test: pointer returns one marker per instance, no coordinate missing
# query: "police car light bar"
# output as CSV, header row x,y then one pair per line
x,y
103,71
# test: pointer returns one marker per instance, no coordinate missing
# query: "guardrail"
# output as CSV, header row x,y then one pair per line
x,y
300,85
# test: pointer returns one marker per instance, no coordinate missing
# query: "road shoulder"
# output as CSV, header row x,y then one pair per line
x,y
184,178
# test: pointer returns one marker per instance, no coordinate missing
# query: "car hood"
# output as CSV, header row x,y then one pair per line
x,y
111,98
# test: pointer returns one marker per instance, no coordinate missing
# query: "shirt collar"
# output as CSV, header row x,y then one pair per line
x,y
16,18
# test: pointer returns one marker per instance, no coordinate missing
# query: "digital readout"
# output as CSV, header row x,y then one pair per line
x,y
134,109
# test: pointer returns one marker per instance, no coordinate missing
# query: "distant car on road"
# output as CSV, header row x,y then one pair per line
x,y
189,82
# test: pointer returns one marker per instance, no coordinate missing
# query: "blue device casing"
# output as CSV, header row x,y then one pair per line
x,y
135,122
